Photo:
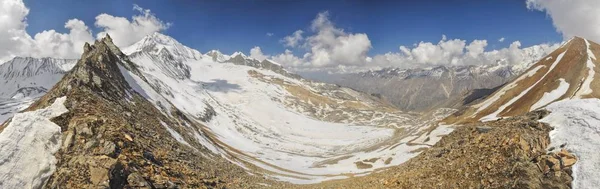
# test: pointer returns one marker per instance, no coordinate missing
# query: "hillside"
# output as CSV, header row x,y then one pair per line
x,y
426,89
567,73
220,123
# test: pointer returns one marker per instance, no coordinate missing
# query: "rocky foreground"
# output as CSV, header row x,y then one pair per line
x,y
509,153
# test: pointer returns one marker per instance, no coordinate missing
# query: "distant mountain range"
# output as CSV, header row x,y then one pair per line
x,y
425,89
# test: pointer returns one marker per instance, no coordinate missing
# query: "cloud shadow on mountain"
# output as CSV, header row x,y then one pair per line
x,y
221,85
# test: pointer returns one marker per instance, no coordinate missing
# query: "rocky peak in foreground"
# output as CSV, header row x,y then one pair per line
x,y
113,137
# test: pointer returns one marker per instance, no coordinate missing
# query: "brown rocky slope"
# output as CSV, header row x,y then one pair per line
x,y
509,153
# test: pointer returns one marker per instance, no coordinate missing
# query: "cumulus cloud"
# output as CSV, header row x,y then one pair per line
x,y
291,60
332,49
293,40
454,52
572,17
257,53
269,34
125,32
501,39
15,41
328,46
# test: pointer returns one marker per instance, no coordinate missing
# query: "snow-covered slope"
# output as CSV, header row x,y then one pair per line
x,y
576,125
24,80
259,115
567,73
23,77
28,144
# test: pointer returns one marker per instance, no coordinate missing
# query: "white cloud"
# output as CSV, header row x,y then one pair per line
x,y
328,46
572,17
476,48
269,34
257,53
293,40
454,52
335,50
125,32
501,39
15,41
290,60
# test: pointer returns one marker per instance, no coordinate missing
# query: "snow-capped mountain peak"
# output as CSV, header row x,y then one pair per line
x,y
158,43
238,53
217,56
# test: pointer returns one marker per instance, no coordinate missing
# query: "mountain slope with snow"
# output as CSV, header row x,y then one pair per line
x,y
567,73
425,89
240,116
23,77
290,128
24,80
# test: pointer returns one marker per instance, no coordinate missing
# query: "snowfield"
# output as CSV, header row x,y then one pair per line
x,y
256,125
548,97
576,124
27,147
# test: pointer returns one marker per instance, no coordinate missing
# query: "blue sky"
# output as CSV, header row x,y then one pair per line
x,y
240,25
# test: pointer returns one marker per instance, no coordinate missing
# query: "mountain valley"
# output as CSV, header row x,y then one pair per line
x,y
160,115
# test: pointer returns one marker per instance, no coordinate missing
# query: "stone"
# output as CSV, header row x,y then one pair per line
x,y
136,180
483,129
568,161
108,148
98,175
553,163
128,137
68,140
89,144
84,130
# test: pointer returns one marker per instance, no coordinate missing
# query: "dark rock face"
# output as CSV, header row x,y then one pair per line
x,y
265,64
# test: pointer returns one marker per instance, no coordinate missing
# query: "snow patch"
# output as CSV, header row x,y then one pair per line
x,y
27,147
493,116
175,134
499,94
548,97
576,123
586,86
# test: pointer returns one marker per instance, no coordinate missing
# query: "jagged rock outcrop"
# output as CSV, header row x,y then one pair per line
x,y
241,59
